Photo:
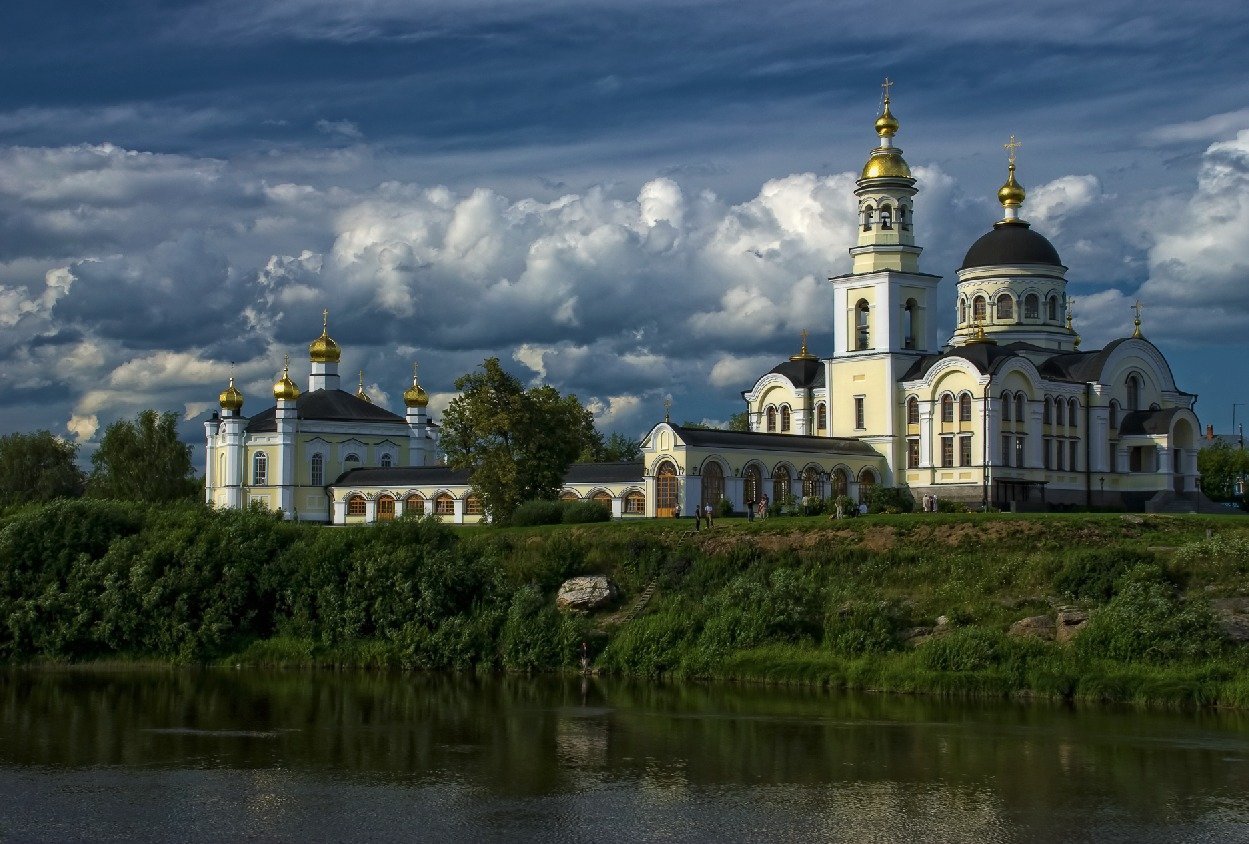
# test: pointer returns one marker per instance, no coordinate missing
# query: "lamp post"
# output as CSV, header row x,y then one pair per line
x,y
1102,495
1235,405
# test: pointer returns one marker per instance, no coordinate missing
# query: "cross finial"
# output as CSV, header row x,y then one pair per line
x,y
885,86
361,379
1136,319
1010,148
667,408
325,319
415,365
804,341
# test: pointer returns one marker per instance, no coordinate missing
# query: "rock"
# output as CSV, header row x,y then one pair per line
x,y
1133,519
583,594
943,621
1233,616
916,633
1069,623
1034,627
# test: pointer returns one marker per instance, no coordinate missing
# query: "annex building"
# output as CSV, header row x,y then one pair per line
x,y
1009,410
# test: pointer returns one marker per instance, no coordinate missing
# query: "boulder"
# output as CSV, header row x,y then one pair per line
x,y
1034,627
1233,616
1070,622
583,594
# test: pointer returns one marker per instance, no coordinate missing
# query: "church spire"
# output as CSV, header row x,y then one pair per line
x,y
1011,194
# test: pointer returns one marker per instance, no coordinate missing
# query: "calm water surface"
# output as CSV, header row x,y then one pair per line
x,y
228,756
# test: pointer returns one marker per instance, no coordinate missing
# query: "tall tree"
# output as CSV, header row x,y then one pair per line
x,y
143,460
516,443
1221,465
739,422
38,467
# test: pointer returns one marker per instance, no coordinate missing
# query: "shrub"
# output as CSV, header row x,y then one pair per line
x,y
890,499
813,505
846,503
534,635
864,627
968,649
724,508
1148,621
537,513
583,512
1091,574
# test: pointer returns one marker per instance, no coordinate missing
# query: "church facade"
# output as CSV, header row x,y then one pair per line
x,y
1009,411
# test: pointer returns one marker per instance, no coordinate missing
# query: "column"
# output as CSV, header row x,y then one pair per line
x,y
340,511
370,510
925,435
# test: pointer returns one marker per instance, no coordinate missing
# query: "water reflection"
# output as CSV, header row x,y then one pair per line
x,y
290,755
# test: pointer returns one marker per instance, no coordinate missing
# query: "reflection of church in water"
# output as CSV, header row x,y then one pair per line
x,y
1009,410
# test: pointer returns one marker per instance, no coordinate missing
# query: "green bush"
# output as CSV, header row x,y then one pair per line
x,y
584,512
1149,621
1091,574
890,499
537,513
846,503
864,627
813,505
966,649
534,635
724,508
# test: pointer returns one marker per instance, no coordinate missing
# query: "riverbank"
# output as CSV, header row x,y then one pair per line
x,y
921,603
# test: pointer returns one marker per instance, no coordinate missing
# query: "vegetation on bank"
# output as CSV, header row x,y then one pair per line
x,y
794,600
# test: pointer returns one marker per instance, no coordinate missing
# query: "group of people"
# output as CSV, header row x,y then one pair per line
x,y
758,507
700,513
930,503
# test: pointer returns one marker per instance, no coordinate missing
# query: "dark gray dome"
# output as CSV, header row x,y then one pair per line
x,y
1011,243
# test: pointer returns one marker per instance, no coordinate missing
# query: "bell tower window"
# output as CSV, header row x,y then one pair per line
x,y
862,323
867,218
1052,308
903,222
909,318
962,311
886,217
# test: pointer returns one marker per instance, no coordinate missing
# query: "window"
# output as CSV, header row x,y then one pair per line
x,y
665,489
260,469
386,461
1114,457
1047,416
859,421
912,453
569,495
867,218
909,317
444,505
1073,413
903,222
1006,449
1032,306
912,411
1060,412
964,451
1060,455
1134,393
1005,307
780,484
1046,450
1052,307
318,470
979,309
771,417
1019,403
385,509
886,217
1019,451
964,407
947,451
821,416
351,458
713,483
602,497
812,483
947,408
862,323
962,311
355,505
414,505
1006,402
841,482
752,483
635,504
785,418
867,480
1073,449
472,506
1114,416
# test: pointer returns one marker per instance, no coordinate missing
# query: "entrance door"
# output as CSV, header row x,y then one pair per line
x,y
385,509
665,490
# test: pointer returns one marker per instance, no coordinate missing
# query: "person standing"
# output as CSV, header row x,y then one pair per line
x,y
750,510
707,513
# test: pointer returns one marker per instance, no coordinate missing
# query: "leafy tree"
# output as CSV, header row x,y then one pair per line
x,y
38,467
516,443
620,449
1221,465
143,460
739,422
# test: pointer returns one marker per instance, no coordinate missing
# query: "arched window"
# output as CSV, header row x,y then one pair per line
x,y
909,327
770,413
785,418
1073,413
1134,392
602,497
862,323
260,468
962,311
385,509
1032,306
947,408
1052,308
812,483
821,416
1005,307
665,489
867,218
912,411
351,461
713,483
318,470
569,495
752,484
886,217
635,504
867,480
1114,416
781,489
841,482
903,222
1047,416
386,462
444,505
414,505
472,506
964,407
1019,404
1060,412
221,470
979,309
1006,403
355,505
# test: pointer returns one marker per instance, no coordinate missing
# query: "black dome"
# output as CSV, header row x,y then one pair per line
x,y
1011,243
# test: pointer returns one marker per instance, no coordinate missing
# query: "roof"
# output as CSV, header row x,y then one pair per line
x,y
984,356
1011,243
604,473
1148,421
708,438
807,373
409,476
326,406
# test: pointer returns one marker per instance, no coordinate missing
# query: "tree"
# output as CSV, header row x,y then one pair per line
x,y
143,460
1220,466
516,443
38,467
621,449
739,422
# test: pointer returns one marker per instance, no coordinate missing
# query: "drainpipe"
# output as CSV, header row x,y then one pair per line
x,y
1088,445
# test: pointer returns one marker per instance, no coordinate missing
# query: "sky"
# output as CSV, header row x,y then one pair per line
x,y
629,201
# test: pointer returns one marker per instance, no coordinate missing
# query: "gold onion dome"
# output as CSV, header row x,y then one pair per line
x,y
230,398
360,393
886,124
324,349
415,396
1011,193
284,387
886,161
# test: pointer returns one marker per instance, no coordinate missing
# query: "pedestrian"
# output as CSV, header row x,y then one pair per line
x,y
750,510
925,502
841,511
863,509
932,502
676,512
698,517
707,513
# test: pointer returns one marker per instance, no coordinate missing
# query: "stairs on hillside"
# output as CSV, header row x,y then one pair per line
x,y
642,600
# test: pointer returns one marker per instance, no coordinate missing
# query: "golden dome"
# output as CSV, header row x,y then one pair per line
x,y
886,124
324,349
285,388
1011,194
360,393
230,398
886,163
415,396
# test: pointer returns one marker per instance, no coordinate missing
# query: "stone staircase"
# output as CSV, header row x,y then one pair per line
x,y
642,600
1186,502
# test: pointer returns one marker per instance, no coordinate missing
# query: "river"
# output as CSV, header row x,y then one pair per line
x,y
221,755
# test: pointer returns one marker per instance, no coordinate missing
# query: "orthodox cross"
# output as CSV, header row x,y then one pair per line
x,y
885,86
804,341
1011,147
1136,320
325,319
667,408
414,368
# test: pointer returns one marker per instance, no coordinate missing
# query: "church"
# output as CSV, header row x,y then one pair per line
x,y
1008,412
